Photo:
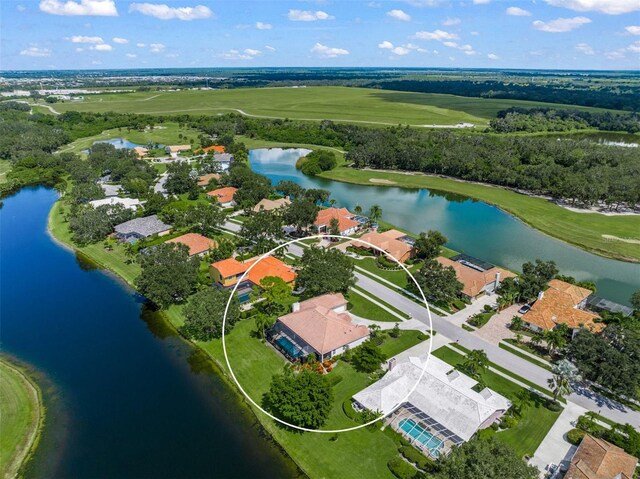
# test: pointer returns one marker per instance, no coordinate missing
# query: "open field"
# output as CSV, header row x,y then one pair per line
x,y
5,166
165,134
585,230
368,106
21,415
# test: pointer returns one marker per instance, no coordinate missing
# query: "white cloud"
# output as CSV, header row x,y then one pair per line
x,y
439,35
448,22
633,29
610,7
634,47
308,16
385,45
425,3
263,26
400,51
481,2
324,51
101,8
252,52
246,54
615,54
120,40
493,56
560,25
468,49
270,48
79,49
131,55
103,47
141,45
165,12
374,5
36,52
156,47
585,48
21,8
83,39
96,62
399,15
518,12
450,44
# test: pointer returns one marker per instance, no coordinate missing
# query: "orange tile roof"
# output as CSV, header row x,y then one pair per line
x,y
205,179
599,459
558,305
386,242
196,242
216,148
321,327
344,219
474,281
268,266
224,195
269,205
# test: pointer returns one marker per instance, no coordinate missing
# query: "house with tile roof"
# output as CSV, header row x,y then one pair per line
x,y
319,325
346,224
562,303
227,273
197,244
224,196
141,151
212,149
477,278
173,150
270,205
390,242
204,180
434,406
598,459
139,228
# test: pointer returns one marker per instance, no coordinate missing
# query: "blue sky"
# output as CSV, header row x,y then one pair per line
x,y
565,34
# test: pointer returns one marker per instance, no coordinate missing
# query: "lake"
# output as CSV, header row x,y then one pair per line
x,y
473,227
126,396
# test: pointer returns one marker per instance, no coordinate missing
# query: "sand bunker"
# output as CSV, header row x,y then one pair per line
x,y
381,181
624,240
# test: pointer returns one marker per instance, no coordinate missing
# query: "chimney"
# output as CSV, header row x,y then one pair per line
x,y
295,307
497,279
391,363
540,295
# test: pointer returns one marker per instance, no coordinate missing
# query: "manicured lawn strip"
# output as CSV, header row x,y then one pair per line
x,y
5,167
397,277
407,339
21,418
361,306
516,351
581,229
536,420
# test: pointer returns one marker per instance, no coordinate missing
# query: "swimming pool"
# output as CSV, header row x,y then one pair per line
x,y
291,349
421,435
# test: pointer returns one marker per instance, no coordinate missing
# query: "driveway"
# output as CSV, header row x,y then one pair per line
x,y
474,308
497,328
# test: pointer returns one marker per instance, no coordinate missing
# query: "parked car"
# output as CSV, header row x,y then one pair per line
x,y
524,309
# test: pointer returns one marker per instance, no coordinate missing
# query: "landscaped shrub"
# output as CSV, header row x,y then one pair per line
x,y
458,304
334,379
347,408
387,263
575,436
401,468
553,406
508,422
413,455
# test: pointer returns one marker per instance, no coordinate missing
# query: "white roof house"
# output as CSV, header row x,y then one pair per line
x,y
444,399
128,203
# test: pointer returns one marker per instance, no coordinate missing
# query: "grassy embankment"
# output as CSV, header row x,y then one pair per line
x,y
5,167
21,418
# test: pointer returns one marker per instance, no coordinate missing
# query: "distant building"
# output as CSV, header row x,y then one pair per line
x,y
561,303
110,190
346,224
128,203
139,228
141,151
204,180
599,459
212,149
390,242
444,410
318,325
198,244
477,277
173,150
224,196
270,205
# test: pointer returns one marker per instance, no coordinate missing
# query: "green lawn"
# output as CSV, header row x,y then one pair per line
x,y
536,419
21,414
407,339
5,166
397,277
165,134
361,306
581,229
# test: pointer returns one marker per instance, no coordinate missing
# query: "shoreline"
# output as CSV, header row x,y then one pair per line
x,y
25,452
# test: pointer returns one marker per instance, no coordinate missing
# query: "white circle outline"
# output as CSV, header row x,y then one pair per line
x,y
325,431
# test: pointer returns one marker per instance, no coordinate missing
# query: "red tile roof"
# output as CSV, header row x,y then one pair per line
x,y
268,266
387,242
473,280
224,195
598,459
196,242
345,222
205,179
215,148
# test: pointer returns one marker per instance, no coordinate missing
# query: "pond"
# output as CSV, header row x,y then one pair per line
x,y
129,397
122,143
473,227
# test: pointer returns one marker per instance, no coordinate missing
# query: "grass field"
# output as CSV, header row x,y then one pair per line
x,y
363,307
5,166
165,134
581,229
536,419
369,106
21,414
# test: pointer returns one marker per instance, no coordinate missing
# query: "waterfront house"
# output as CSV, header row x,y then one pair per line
x,y
204,180
319,325
227,273
173,150
270,205
139,228
346,224
141,151
127,203
198,244
391,242
224,196
598,459
477,277
223,159
561,303
444,410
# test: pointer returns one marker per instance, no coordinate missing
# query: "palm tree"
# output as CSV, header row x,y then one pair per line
x,y
357,209
263,322
564,374
555,338
475,363
332,202
375,213
516,323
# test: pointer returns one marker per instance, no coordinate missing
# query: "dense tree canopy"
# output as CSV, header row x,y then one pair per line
x,y
204,312
90,225
325,271
439,283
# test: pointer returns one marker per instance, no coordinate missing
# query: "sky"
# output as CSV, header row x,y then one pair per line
x,y
105,34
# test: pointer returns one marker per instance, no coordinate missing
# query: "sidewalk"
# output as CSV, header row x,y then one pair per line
x,y
476,307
